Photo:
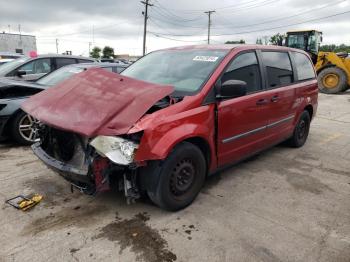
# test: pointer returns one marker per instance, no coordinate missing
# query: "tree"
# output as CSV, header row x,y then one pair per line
x,y
108,52
335,48
259,41
96,52
235,42
277,39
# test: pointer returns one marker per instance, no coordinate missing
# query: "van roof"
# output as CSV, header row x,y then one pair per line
x,y
230,47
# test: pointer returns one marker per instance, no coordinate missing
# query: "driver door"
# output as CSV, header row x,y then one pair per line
x,y
242,121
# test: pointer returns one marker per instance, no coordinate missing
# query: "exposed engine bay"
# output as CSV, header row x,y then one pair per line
x,y
74,158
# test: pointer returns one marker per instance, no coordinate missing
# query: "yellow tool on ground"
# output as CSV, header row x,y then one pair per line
x,y
333,69
24,203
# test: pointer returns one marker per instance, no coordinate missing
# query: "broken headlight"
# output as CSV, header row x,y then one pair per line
x,y
118,150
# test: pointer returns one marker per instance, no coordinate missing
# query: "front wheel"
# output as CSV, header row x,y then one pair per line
x,y
23,128
332,80
301,130
181,178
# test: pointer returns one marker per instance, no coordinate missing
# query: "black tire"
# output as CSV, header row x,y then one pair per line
x,y
301,131
338,86
15,132
181,178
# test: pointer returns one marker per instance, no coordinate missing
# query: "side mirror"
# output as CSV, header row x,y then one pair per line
x,y
233,88
21,73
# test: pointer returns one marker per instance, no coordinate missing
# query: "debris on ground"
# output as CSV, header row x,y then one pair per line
x,y
24,203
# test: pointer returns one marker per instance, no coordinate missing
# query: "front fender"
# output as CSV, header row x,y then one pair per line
x,y
158,141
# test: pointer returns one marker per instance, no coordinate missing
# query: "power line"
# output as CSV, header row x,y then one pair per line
x,y
279,18
174,39
172,15
277,27
171,21
269,28
166,29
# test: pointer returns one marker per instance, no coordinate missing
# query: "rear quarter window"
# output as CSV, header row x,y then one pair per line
x,y
304,67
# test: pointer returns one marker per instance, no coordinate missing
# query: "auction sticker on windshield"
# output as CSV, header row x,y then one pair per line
x,y
205,58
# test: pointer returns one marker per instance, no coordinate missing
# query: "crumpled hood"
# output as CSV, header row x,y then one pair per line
x,y
95,102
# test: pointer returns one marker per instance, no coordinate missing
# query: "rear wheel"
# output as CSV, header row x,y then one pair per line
x,y
23,128
301,130
181,178
332,80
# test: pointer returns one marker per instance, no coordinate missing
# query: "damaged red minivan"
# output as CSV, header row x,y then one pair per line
x,y
173,118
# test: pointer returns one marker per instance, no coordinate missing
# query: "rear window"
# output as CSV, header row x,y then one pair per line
x,y
305,69
278,68
64,61
84,61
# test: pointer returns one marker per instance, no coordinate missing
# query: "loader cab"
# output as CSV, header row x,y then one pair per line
x,y
308,41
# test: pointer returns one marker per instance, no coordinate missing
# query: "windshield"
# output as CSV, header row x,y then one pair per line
x,y
186,70
9,66
296,41
59,75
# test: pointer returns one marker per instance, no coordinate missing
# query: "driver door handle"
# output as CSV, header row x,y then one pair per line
x,y
275,98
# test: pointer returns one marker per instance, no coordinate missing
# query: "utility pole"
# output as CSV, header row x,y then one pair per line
x,y
89,48
93,34
145,13
56,45
209,22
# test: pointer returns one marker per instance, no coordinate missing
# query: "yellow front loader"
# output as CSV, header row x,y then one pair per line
x,y
333,69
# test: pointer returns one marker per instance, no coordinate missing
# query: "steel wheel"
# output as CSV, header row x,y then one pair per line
x,y
182,177
301,129
178,178
28,128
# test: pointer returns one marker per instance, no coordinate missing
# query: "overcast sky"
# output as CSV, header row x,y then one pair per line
x,y
119,23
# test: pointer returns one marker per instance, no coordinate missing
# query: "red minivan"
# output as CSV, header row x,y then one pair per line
x,y
173,118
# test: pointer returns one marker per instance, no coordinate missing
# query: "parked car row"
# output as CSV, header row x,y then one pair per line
x,y
161,132
17,124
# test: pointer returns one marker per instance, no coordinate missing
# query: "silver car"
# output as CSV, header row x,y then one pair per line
x,y
31,69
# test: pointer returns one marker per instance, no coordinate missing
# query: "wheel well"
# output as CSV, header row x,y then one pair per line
x,y
310,110
9,122
203,145
324,67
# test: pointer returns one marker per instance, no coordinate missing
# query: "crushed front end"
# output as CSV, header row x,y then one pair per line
x,y
91,165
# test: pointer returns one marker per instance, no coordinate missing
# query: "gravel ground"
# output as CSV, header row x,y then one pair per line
x,y
282,205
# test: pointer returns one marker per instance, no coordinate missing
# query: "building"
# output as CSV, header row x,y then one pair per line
x,y
127,57
17,43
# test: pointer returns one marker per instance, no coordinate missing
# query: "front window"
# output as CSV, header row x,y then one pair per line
x,y
59,75
38,66
10,66
296,41
186,70
313,43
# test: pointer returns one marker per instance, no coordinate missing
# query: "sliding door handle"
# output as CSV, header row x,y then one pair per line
x,y
262,102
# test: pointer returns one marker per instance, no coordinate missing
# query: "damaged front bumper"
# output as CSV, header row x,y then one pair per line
x,y
69,172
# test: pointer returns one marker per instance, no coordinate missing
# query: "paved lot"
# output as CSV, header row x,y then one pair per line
x,y
283,205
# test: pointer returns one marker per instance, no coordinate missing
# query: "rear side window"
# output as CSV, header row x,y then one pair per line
x,y
305,69
244,67
84,61
278,68
64,61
